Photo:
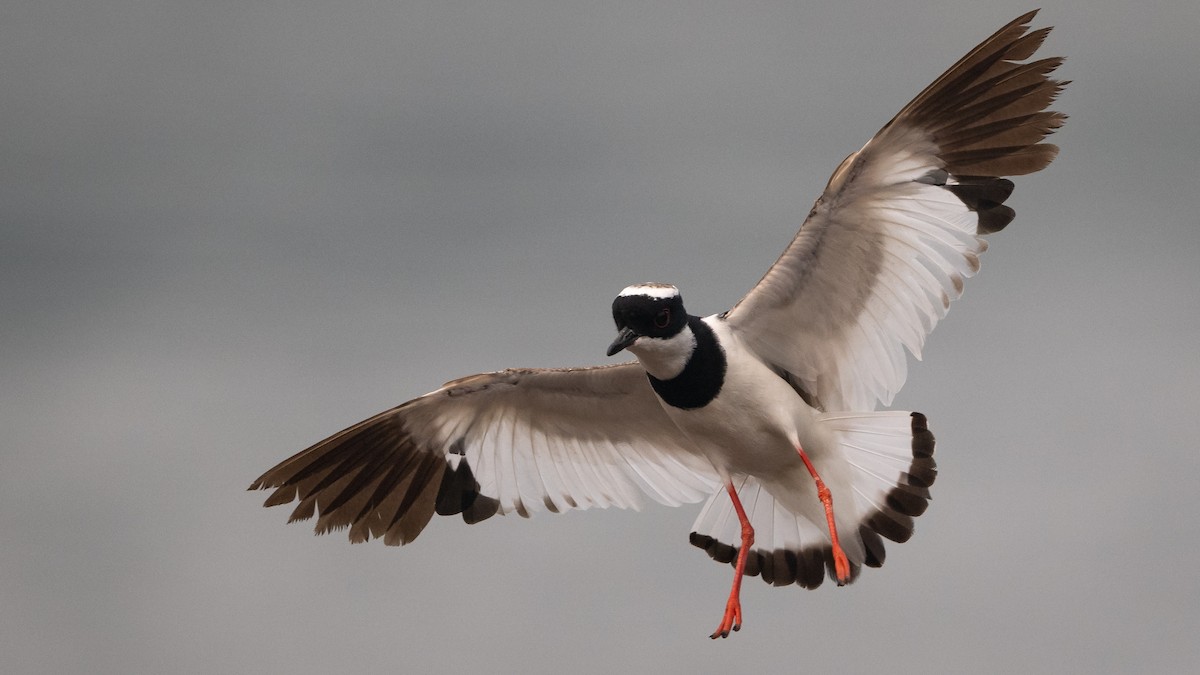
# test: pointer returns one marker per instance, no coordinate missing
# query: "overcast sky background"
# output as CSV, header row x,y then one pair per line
x,y
230,229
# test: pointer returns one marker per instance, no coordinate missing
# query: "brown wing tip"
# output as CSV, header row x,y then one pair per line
x,y
377,480
988,114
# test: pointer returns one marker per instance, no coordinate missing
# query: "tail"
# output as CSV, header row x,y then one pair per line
x,y
889,460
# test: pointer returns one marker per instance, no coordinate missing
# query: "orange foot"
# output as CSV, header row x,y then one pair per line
x,y
732,619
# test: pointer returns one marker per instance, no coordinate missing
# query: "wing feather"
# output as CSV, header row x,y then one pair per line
x,y
888,245
515,441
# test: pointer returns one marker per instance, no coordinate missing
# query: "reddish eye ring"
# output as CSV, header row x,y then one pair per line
x,y
662,319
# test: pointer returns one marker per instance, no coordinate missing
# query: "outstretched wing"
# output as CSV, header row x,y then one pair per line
x,y
495,443
887,245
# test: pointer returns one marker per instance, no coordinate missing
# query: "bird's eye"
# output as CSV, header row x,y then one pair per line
x,y
663,318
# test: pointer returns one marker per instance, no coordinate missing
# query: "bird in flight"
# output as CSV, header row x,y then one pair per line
x,y
767,411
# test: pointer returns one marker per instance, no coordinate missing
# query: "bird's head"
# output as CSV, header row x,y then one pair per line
x,y
651,320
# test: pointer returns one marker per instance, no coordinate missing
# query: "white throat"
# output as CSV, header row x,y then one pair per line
x,y
664,358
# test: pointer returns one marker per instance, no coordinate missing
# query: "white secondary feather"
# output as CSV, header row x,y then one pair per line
x,y
577,438
869,274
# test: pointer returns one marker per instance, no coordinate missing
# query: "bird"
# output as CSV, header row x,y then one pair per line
x,y
766,412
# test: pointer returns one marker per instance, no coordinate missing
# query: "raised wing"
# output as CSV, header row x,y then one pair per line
x,y
495,443
887,245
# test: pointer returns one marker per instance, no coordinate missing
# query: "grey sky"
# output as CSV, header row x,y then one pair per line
x,y
228,230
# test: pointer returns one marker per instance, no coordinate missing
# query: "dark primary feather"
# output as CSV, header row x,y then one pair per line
x,y
987,113
373,477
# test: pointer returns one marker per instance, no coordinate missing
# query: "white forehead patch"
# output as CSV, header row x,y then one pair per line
x,y
662,291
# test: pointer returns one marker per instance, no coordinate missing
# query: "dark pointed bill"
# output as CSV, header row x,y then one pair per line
x,y
624,338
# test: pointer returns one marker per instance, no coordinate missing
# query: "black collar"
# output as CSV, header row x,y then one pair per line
x,y
700,380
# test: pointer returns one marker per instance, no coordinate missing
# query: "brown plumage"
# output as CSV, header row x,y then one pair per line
x,y
987,113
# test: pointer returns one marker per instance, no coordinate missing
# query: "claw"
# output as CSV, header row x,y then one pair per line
x,y
732,620
841,565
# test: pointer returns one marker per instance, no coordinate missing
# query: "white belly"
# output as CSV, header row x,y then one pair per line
x,y
755,423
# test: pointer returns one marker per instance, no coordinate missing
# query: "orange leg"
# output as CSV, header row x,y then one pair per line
x,y
841,565
732,620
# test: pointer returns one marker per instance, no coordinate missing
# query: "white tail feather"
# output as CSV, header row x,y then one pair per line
x,y
879,448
